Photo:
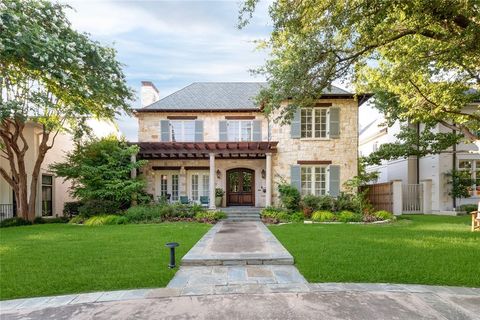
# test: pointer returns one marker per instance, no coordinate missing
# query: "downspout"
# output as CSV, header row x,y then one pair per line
x,y
418,158
454,166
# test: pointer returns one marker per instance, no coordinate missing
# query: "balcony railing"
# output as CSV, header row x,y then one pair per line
x,y
6,211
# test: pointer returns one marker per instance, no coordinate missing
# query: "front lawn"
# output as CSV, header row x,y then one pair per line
x,y
56,259
417,249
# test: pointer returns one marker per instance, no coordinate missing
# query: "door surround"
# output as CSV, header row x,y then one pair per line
x,y
241,196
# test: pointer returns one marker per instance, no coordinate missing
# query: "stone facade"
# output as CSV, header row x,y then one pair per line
x,y
341,151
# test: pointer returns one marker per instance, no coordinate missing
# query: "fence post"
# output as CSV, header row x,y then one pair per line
x,y
427,196
397,197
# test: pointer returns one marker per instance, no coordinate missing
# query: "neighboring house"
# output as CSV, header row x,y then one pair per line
x,y
52,192
213,135
432,168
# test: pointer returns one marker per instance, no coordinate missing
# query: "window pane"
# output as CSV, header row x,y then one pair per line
x,y
176,127
188,131
195,187
163,185
234,181
465,164
246,130
47,180
233,131
306,123
320,123
47,209
306,180
175,187
247,181
206,184
320,183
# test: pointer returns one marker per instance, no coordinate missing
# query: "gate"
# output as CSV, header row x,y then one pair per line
x,y
380,195
412,198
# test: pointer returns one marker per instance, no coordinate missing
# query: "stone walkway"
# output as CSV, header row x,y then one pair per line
x,y
317,301
238,243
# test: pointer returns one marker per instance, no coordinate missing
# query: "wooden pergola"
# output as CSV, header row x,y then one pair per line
x,y
203,150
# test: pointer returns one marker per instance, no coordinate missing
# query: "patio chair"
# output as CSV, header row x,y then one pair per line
x,y
184,200
476,219
204,201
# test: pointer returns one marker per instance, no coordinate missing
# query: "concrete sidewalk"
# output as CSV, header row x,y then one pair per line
x,y
321,301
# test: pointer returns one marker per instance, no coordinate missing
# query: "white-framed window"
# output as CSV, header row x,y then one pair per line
x,y
314,122
167,185
472,166
199,184
240,130
182,130
314,180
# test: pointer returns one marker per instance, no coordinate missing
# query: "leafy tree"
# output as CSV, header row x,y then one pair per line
x,y
461,182
421,58
55,77
100,170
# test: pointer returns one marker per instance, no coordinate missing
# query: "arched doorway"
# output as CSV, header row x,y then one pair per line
x,y
240,187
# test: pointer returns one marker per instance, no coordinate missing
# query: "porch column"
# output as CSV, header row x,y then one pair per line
x,y
268,178
211,198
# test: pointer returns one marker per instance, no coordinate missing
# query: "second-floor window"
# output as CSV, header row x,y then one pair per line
x,y
182,130
240,130
314,122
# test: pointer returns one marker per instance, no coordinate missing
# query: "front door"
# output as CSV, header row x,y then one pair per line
x,y
240,187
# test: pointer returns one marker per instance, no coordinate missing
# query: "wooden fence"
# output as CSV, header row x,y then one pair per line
x,y
380,195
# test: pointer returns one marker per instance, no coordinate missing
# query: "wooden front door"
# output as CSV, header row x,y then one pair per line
x,y
240,187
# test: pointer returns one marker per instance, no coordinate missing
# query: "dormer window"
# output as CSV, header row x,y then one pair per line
x,y
182,130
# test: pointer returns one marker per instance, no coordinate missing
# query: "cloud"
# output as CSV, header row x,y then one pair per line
x,y
174,43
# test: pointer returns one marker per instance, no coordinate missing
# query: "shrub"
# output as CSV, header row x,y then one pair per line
x,y
147,213
14,222
99,207
105,220
369,218
468,208
289,196
77,220
72,208
344,202
41,220
349,216
296,217
323,216
318,203
219,192
210,216
383,215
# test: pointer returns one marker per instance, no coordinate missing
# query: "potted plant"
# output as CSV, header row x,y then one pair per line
x,y
219,196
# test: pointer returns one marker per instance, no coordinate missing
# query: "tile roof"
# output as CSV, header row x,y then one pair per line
x,y
217,96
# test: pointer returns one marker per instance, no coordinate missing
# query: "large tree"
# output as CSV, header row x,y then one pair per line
x,y
53,76
421,58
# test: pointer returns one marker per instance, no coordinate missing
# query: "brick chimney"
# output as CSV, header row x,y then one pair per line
x,y
148,94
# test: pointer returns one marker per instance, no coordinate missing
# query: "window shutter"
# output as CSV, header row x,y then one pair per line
x,y
164,130
222,130
334,123
334,180
198,130
295,126
257,130
295,177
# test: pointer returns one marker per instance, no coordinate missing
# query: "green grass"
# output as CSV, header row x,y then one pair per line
x,y
435,250
56,259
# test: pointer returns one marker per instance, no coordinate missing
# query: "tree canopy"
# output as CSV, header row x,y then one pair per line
x,y
54,76
100,170
421,58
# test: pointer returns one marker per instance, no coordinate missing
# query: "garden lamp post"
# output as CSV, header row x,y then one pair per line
x,y
172,246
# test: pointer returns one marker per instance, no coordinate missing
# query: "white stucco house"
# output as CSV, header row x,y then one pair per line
x,y
432,169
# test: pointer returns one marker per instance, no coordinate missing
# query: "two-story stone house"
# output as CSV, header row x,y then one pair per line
x,y
213,135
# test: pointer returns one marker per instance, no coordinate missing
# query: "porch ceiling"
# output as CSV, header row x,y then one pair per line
x,y
201,150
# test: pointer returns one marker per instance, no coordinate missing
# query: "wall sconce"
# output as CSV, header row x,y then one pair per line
x,y
219,174
263,173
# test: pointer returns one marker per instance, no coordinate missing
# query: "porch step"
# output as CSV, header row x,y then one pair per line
x,y
243,216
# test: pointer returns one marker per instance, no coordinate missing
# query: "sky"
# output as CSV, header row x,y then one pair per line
x,y
174,43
